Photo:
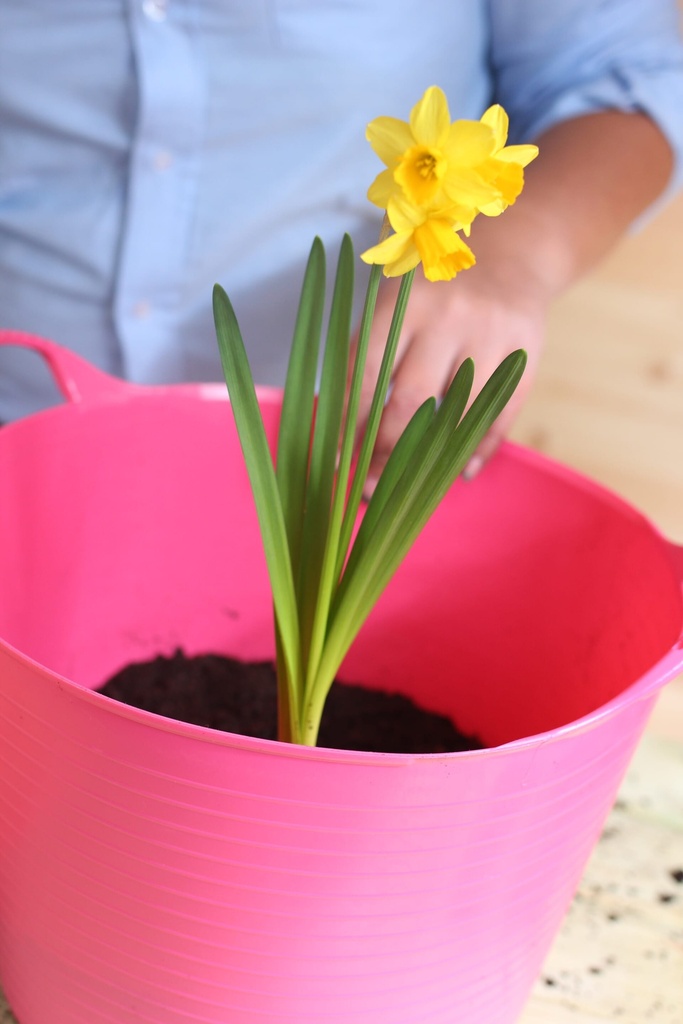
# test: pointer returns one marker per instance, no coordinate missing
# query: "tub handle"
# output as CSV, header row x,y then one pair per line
x,y
77,379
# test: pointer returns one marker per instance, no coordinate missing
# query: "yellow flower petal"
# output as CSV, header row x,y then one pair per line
x,y
461,217
442,252
382,189
496,118
473,189
508,179
468,143
446,268
389,137
402,265
403,215
429,118
397,253
521,155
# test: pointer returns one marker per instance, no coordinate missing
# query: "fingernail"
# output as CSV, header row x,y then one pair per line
x,y
473,467
369,489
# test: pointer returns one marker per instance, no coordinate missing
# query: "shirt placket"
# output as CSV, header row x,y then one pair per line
x,y
162,185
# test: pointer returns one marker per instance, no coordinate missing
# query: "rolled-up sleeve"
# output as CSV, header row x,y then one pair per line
x,y
555,61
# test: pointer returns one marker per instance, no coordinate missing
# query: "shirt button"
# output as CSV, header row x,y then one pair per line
x,y
142,309
162,160
155,10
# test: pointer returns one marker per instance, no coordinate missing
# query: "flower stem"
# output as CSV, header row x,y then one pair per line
x,y
317,685
374,418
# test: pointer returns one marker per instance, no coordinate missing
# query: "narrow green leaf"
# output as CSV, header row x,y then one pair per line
x,y
325,447
491,400
412,481
350,425
396,464
452,457
408,508
401,458
328,572
407,462
294,435
263,482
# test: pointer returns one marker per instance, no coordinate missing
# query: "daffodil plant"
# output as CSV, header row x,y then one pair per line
x,y
329,558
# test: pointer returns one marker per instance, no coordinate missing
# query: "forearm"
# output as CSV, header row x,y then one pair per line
x,y
593,177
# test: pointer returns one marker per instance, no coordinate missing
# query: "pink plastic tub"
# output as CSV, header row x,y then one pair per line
x,y
153,872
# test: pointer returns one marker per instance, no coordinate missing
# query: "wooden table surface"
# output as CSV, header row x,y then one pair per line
x,y
609,401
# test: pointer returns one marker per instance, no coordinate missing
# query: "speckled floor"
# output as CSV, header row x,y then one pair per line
x,y
619,955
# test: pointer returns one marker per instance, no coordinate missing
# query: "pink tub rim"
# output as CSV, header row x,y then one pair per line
x,y
83,385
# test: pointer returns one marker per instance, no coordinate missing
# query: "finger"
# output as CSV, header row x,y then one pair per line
x,y
485,365
423,370
493,438
486,450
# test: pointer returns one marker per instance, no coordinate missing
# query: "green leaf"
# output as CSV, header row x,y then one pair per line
x,y
409,489
401,458
294,435
317,688
322,598
329,573
261,472
453,451
321,480
332,571
437,460
450,450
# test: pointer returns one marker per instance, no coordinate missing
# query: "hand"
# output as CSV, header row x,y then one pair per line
x,y
485,313
595,174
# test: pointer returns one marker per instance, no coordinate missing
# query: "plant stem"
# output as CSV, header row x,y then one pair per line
x,y
317,687
329,575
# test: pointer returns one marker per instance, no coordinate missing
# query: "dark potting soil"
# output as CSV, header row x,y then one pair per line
x,y
234,696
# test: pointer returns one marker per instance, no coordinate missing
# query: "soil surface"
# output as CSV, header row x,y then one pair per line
x,y
222,693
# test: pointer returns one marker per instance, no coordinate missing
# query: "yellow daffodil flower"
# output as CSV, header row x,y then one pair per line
x,y
505,167
439,176
430,160
421,236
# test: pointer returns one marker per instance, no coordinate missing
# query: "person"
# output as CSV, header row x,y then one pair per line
x,y
149,148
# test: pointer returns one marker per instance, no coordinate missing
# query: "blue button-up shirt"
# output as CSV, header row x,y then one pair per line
x,y
149,148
